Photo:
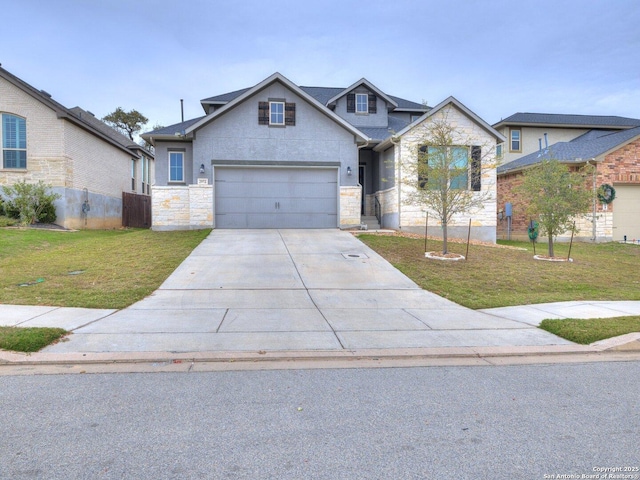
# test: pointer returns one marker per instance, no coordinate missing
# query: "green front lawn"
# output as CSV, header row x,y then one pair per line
x,y
30,339
88,268
592,330
498,277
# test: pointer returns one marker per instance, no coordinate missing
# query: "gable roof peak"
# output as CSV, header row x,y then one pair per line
x,y
370,86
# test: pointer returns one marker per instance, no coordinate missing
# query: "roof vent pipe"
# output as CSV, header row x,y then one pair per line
x,y
546,142
540,145
182,109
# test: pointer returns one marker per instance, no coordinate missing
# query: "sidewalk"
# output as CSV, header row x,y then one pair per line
x,y
530,315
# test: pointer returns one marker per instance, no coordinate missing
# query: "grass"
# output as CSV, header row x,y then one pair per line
x,y
89,268
588,331
498,277
29,339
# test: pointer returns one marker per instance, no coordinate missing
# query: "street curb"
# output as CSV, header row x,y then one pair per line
x,y
627,343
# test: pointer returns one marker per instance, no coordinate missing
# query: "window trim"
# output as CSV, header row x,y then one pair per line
x,y
4,149
366,104
133,174
175,152
511,132
271,113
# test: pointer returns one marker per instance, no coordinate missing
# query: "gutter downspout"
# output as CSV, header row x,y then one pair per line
x,y
595,206
399,180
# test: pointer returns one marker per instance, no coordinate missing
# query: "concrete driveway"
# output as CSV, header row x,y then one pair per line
x,y
254,290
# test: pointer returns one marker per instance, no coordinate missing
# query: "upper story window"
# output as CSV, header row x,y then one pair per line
x,y
14,141
499,152
362,103
276,113
176,166
515,137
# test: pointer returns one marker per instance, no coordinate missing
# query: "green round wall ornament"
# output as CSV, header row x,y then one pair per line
x,y
606,193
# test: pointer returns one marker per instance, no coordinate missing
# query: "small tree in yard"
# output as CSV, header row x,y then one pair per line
x,y
555,195
446,179
31,201
128,123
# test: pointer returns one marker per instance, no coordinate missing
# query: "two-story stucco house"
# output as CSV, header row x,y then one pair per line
x,y
278,155
84,160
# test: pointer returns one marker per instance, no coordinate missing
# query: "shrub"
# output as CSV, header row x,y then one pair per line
x,y
29,200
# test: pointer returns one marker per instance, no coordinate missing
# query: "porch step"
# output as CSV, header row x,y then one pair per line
x,y
371,222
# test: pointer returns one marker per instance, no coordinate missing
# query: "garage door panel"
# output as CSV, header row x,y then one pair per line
x,y
264,197
626,212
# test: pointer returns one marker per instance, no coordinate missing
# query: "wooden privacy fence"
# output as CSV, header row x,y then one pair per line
x,y
136,210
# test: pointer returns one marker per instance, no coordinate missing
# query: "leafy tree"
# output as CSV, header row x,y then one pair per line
x,y
446,177
32,202
555,195
128,123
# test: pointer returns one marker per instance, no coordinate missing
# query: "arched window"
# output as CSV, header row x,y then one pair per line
x,y
14,141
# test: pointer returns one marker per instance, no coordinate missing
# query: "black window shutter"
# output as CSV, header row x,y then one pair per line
x,y
476,168
351,102
423,165
373,104
290,114
263,113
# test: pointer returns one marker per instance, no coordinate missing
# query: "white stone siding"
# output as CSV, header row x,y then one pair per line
x,y
97,165
46,160
181,207
471,134
350,204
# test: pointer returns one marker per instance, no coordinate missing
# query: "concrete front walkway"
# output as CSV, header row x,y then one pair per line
x,y
284,290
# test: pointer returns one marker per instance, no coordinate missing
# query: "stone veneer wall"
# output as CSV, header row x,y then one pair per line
x,y
483,219
182,207
350,205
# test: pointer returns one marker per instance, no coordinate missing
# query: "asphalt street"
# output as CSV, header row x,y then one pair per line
x,y
480,422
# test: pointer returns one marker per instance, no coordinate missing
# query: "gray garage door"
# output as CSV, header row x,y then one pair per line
x,y
626,212
274,197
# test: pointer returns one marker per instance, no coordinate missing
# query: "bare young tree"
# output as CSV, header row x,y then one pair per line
x,y
444,172
555,195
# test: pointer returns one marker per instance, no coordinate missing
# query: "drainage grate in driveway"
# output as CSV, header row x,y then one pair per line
x,y
349,256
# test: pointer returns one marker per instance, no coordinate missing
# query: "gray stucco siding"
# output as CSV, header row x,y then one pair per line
x,y
378,119
162,161
237,136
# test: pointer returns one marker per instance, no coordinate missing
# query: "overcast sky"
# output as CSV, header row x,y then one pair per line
x,y
496,57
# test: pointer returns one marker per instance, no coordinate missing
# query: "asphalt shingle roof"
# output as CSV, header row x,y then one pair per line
x,y
321,94
98,124
172,129
580,149
570,120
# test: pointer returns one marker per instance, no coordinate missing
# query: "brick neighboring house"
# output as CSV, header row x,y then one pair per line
x,y
616,155
83,159
279,155
530,132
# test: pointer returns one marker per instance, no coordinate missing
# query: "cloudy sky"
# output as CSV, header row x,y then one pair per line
x,y
497,57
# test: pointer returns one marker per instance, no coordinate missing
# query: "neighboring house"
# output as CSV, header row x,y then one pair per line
x,y
278,155
84,160
616,155
530,132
